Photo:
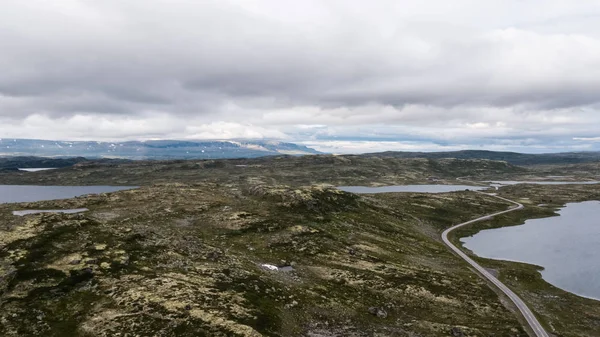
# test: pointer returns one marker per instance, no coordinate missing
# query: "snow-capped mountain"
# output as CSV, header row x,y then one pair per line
x,y
153,149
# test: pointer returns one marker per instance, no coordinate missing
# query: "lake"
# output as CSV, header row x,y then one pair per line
x,y
29,193
410,188
511,182
38,211
567,247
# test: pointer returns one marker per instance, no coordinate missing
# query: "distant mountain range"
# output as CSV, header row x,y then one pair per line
x,y
177,149
509,157
154,149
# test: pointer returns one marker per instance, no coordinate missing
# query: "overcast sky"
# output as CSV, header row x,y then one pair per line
x,y
339,75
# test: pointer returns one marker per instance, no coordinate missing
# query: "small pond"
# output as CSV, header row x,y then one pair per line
x,y
567,246
30,193
38,211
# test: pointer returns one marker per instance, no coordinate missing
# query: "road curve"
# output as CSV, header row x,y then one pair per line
x,y
535,325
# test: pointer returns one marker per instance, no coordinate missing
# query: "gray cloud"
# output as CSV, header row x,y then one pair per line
x,y
435,69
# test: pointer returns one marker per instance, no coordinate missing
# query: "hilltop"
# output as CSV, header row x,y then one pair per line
x,y
514,158
295,170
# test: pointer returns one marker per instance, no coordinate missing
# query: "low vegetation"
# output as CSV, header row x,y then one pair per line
x,y
563,313
193,252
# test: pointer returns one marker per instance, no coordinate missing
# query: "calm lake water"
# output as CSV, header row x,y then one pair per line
x,y
567,246
510,182
410,188
38,211
28,193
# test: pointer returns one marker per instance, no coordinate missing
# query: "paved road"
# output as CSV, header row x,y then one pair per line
x,y
531,320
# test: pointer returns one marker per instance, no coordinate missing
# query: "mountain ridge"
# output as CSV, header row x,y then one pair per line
x,y
514,158
243,148
152,149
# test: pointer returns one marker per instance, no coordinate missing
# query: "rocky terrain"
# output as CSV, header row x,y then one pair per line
x,y
515,158
262,248
288,170
177,260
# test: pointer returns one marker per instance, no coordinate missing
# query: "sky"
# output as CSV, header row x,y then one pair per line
x,y
342,76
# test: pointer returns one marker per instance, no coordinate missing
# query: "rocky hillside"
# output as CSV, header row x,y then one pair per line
x,y
290,170
241,260
510,157
14,163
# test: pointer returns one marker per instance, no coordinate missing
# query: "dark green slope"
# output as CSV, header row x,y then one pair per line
x,y
510,157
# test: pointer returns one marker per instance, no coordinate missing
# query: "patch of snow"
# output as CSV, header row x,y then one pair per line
x,y
37,169
255,147
275,268
269,267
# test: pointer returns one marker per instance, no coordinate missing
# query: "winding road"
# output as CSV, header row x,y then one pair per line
x,y
535,325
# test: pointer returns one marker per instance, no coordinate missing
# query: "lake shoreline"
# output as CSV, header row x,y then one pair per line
x,y
546,243
559,310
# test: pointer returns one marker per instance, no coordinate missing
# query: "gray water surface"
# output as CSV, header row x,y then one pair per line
x,y
511,182
410,188
38,211
567,246
29,193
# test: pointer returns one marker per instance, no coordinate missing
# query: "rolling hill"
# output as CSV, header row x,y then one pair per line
x,y
510,157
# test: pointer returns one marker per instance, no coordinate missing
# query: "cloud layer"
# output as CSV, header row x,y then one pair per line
x,y
511,74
